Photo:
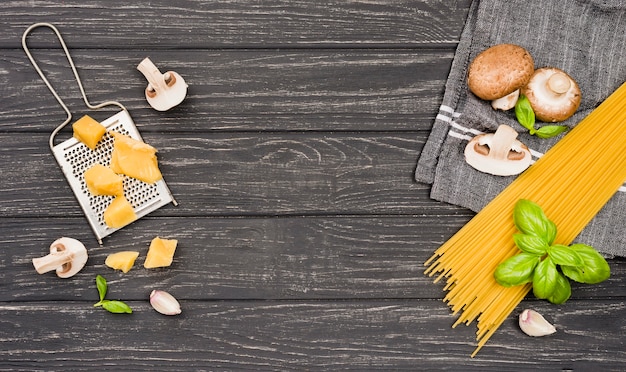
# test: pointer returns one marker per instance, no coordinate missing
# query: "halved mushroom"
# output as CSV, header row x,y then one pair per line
x,y
498,153
67,256
553,94
500,71
164,91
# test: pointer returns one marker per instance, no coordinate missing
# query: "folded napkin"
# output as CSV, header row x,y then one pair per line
x,y
585,38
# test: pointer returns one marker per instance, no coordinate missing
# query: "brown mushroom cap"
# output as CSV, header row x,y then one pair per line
x,y
553,94
499,71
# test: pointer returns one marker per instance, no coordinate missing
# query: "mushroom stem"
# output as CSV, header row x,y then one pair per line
x,y
57,258
507,102
559,83
503,140
164,91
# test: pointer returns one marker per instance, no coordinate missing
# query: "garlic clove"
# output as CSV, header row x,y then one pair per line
x,y
164,303
534,324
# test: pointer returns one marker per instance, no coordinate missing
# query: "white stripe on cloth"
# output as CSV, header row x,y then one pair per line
x,y
441,117
445,108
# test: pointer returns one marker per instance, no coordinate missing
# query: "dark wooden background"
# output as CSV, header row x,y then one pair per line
x,y
302,234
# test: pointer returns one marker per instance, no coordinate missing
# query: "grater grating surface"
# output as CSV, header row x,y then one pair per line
x,y
75,158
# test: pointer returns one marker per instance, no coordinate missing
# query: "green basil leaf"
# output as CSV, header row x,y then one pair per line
x,y
530,220
531,244
562,290
117,307
524,113
516,270
550,232
545,279
101,284
564,255
594,270
548,131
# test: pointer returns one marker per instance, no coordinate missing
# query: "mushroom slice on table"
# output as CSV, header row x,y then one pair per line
x,y
553,94
67,256
498,153
500,71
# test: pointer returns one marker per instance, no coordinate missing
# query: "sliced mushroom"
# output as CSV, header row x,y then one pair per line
x,y
553,94
498,153
67,256
499,71
164,91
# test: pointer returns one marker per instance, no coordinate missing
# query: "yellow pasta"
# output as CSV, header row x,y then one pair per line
x,y
571,183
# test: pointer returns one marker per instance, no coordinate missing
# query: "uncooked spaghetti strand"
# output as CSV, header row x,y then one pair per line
x,y
496,324
481,274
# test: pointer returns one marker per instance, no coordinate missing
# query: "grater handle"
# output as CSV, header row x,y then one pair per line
x,y
54,93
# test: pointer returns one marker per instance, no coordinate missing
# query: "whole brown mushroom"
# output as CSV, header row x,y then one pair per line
x,y
500,71
553,94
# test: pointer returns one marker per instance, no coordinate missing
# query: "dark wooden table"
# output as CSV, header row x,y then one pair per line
x,y
302,234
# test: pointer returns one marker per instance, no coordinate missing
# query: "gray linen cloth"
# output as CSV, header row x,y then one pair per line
x,y
586,38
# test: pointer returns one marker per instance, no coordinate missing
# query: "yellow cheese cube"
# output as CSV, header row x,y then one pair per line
x,y
135,159
160,253
119,213
121,260
102,180
88,131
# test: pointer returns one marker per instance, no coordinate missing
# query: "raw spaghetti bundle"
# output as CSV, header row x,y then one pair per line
x,y
571,182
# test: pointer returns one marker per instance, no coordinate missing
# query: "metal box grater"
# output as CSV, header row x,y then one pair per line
x,y
75,158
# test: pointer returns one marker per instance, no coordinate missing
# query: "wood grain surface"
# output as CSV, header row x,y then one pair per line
x,y
302,234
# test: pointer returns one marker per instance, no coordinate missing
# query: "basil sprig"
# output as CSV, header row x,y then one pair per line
x,y
112,306
526,117
547,265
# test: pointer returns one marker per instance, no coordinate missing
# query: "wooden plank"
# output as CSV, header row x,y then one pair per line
x,y
337,258
238,258
162,24
284,335
243,174
251,90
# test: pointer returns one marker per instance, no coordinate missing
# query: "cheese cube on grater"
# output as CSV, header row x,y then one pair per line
x,y
75,158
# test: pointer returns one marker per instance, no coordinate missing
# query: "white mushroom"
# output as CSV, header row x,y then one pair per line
x,y
507,102
499,71
553,94
67,256
498,153
164,91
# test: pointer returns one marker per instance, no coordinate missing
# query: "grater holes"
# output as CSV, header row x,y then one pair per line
x,y
139,193
98,205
